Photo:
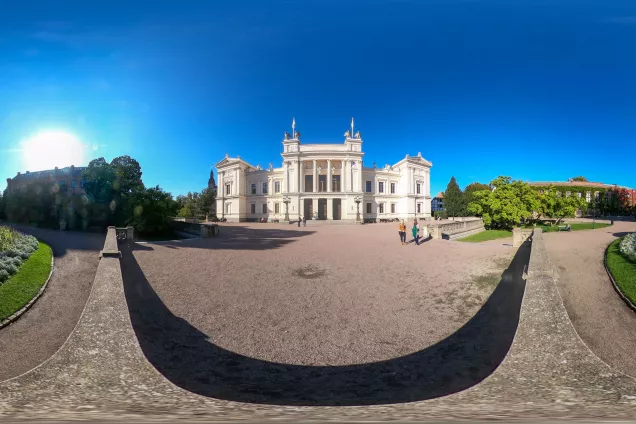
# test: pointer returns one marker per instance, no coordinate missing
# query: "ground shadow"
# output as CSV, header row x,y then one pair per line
x,y
63,241
621,234
191,360
241,238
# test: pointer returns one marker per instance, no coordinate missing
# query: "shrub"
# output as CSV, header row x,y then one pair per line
x,y
628,247
4,276
11,269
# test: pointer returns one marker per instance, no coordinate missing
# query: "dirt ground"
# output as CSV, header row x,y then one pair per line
x,y
598,314
266,300
42,330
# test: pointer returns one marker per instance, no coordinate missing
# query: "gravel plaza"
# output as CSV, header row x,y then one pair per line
x,y
326,296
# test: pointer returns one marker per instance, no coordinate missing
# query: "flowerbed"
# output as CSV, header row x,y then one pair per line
x,y
628,247
15,249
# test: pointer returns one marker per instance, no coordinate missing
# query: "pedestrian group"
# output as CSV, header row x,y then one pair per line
x,y
415,230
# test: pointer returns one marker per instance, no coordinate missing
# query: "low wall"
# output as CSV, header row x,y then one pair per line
x,y
455,229
520,235
197,229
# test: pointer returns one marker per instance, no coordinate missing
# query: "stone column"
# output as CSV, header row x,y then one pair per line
x,y
343,173
359,188
315,176
329,208
315,207
236,182
285,177
329,176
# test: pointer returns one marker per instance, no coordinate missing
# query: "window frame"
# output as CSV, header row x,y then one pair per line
x,y
252,208
369,186
392,187
369,208
418,188
264,208
277,186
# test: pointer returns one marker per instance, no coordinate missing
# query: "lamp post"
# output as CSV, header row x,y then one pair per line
x,y
286,201
358,199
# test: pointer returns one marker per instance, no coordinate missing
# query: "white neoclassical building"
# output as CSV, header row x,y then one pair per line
x,y
323,181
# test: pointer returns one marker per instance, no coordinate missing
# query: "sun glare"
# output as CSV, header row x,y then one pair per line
x,y
49,149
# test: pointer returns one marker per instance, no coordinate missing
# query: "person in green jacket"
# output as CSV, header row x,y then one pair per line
x,y
416,232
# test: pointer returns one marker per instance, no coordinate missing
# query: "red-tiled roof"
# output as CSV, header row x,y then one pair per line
x,y
590,184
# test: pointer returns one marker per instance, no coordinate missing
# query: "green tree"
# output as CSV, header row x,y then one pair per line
x,y
128,174
153,210
508,204
579,178
557,205
472,188
454,200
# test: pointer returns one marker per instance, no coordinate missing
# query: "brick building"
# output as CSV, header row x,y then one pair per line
x,y
67,180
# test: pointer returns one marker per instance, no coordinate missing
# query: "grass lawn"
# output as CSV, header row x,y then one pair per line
x,y
20,288
487,235
575,226
623,270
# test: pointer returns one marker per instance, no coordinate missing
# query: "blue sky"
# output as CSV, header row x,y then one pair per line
x,y
537,90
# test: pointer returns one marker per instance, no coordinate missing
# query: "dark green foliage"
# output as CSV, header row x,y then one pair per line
x,y
472,188
454,200
153,210
115,195
579,178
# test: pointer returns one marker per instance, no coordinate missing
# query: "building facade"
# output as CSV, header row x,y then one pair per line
x,y
323,181
584,189
66,180
437,204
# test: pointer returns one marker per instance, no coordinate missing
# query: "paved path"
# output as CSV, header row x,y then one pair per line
x,y
599,315
40,332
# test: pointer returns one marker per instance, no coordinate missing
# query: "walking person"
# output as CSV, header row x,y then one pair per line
x,y
416,232
402,231
304,221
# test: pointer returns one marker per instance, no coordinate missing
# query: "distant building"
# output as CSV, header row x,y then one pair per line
x,y
324,181
66,180
437,204
586,189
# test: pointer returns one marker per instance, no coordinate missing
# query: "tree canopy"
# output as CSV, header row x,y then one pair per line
x,y
507,205
555,204
579,178
454,200
472,188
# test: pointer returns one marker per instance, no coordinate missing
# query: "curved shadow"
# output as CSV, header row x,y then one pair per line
x,y
189,359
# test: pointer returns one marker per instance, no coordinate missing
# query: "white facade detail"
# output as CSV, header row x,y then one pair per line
x,y
323,181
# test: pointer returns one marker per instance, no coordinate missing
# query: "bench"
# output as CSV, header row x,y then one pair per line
x,y
564,228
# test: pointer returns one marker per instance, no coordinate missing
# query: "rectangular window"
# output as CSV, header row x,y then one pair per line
x,y
579,194
276,207
392,207
264,207
588,196
369,188
381,187
253,207
228,189
567,194
82,183
73,184
381,207
419,208
253,188
336,183
265,188
309,183
392,188
322,183
368,207
418,188
277,187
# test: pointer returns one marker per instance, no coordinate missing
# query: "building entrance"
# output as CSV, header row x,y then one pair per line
x,y
337,209
322,208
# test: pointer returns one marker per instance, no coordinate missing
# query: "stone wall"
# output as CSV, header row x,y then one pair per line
x,y
455,229
519,235
196,229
